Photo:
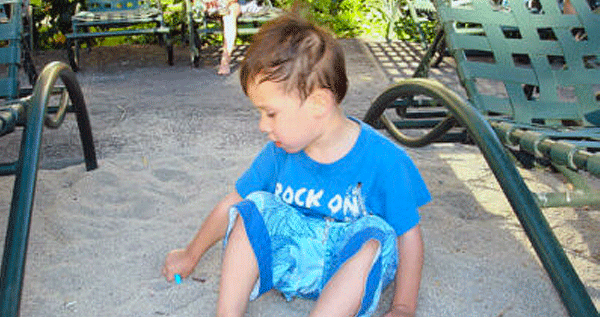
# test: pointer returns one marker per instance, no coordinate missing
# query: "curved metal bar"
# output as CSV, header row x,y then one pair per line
x,y
406,88
55,121
557,265
15,245
19,222
79,107
437,132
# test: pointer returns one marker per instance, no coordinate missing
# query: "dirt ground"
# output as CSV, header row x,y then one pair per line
x,y
171,140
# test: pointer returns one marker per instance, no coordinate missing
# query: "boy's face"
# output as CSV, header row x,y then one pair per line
x,y
287,120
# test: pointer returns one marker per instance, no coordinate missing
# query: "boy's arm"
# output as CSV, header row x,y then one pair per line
x,y
213,229
408,274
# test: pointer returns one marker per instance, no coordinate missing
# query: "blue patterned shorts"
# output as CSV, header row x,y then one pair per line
x,y
298,254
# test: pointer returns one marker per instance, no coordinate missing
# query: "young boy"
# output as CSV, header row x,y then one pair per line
x,y
330,205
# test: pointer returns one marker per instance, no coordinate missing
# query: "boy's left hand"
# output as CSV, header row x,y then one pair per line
x,y
178,262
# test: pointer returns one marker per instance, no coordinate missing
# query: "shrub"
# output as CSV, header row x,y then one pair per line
x,y
376,19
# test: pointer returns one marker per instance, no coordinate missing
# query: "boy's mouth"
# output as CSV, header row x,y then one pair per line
x,y
278,144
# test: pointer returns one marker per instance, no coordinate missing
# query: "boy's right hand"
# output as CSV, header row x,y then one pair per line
x,y
178,262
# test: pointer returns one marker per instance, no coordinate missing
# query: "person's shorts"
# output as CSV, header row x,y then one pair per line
x,y
213,7
298,254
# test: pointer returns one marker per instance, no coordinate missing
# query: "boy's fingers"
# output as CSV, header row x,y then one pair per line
x,y
167,275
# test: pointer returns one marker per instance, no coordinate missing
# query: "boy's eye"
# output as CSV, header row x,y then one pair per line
x,y
271,114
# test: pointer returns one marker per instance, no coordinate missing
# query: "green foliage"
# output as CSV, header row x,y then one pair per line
x,y
388,13
343,17
52,21
407,30
375,19
392,21
346,18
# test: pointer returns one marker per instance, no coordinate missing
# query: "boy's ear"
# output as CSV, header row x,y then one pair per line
x,y
321,101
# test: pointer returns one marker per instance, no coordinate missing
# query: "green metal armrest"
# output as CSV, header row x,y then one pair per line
x,y
29,109
32,113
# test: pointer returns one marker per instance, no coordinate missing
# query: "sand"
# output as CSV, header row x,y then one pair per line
x,y
171,142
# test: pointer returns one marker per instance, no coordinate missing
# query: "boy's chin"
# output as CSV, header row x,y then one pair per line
x,y
288,150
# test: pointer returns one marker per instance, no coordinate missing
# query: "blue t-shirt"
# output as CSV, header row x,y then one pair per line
x,y
375,177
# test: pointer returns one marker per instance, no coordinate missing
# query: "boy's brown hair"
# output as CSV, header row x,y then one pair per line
x,y
293,51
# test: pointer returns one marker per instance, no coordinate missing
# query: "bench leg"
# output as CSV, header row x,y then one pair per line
x,y
73,54
169,45
194,41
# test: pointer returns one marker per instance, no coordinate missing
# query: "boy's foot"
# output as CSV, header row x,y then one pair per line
x,y
224,67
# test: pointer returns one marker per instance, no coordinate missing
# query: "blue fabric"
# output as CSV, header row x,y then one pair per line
x,y
376,177
307,251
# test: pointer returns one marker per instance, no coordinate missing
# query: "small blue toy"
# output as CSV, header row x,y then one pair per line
x,y
177,279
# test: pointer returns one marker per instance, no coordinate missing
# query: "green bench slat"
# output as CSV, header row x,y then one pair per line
x,y
116,22
9,33
9,54
9,87
163,30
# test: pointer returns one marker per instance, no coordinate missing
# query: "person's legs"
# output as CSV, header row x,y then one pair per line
x,y
239,273
342,295
229,35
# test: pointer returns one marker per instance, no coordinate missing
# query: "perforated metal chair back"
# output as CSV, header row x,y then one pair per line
x,y
546,60
10,48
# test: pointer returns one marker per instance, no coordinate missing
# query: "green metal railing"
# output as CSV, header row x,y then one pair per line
x,y
25,169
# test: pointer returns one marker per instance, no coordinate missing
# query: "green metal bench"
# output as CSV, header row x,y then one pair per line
x,y
55,92
199,24
533,85
422,12
26,35
106,18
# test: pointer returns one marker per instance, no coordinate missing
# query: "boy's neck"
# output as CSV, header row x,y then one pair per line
x,y
337,139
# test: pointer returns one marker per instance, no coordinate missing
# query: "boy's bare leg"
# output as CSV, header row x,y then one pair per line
x,y
239,273
341,295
